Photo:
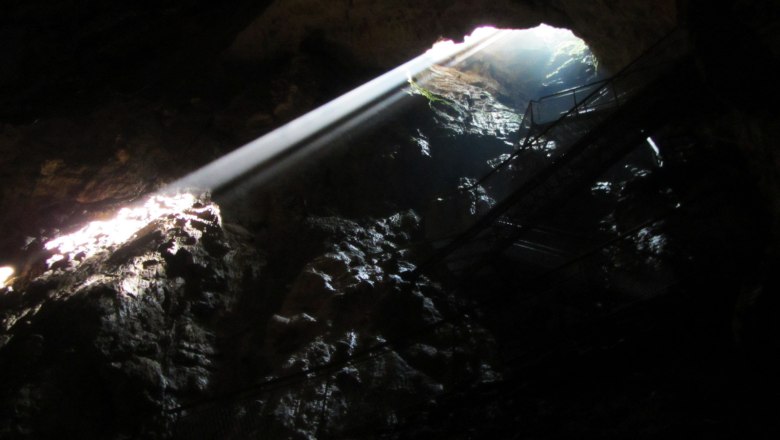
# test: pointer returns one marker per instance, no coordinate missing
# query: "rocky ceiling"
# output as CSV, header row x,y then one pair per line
x,y
384,34
54,52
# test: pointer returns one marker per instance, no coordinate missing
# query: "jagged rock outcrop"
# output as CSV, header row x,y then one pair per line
x,y
113,334
464,108
118,330
378,344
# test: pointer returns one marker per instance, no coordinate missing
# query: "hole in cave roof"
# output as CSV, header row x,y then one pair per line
x,y
525,64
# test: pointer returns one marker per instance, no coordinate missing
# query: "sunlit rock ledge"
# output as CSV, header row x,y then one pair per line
x,y
122,325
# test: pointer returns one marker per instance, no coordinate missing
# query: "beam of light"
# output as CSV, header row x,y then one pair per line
x,y
102,234
354,124
6,272
274,145
360,120
276,149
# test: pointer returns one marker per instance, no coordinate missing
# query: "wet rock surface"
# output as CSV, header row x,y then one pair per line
x,y
186,310
465,108
355,345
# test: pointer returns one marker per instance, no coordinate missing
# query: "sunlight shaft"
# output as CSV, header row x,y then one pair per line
x,y
253,162
276,144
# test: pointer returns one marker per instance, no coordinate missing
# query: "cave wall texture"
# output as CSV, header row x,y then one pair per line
x,y
103,103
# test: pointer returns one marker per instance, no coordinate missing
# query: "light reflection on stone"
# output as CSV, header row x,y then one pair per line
x,y
102,234
6,272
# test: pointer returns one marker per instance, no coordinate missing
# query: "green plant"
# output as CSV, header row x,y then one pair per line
x,y
416,89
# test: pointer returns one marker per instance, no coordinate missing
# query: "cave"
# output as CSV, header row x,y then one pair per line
x,y
520,219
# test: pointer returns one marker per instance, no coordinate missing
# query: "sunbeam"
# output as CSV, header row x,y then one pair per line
x,y
261,159
275,146
99,234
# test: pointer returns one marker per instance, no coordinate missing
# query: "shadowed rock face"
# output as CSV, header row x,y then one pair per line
x,y
336,319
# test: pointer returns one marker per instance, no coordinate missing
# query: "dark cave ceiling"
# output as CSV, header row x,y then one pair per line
x,y
56,51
